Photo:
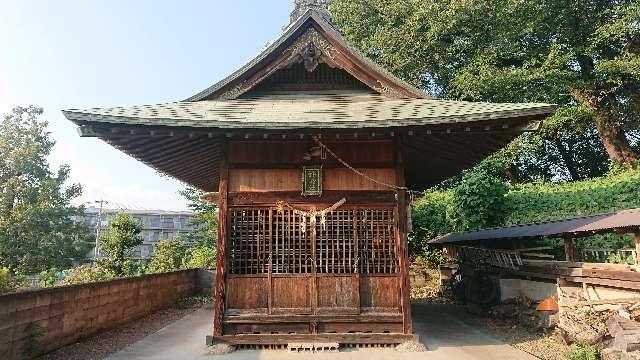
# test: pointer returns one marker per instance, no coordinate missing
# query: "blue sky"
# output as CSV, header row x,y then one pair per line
x,y
74,54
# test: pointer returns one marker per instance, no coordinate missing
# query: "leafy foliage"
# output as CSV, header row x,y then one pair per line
x,y
117,244
83,274
203,253
205,219
37,230
479,199
168,256
580,54
5,280
49,278
201,257
542,201
584,351
31,345
437,212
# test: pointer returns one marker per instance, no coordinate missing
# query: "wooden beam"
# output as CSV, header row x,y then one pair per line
x,y
342,338
401,239
221,267
569,249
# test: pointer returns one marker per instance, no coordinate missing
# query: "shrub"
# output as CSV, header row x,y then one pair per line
x,y
584,351
168,256
201,257
49,278
477,202
83,274
479,199
5,280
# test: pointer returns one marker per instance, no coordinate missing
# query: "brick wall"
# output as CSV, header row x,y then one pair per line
x,y
69,313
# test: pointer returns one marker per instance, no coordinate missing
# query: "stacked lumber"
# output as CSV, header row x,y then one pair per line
x,y
611,275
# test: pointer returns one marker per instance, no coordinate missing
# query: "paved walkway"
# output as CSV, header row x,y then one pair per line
x,y
439,327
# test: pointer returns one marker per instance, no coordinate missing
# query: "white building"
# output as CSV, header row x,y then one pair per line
x,y
156,225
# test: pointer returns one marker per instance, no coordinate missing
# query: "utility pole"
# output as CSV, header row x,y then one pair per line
x,y
98,223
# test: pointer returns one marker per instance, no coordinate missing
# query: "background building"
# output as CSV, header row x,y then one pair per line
x,y
156,225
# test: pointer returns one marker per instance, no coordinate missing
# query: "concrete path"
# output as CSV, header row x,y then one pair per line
x,y
439,327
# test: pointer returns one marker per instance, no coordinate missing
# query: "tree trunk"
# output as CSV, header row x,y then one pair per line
x,y
609,130
568,159
614,140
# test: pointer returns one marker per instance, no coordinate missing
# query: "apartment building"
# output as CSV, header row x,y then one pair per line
x,y
156,225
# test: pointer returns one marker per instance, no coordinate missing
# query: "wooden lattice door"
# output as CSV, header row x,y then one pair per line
x,y
310,265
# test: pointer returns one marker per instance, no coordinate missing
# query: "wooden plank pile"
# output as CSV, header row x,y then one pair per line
x,y
612,324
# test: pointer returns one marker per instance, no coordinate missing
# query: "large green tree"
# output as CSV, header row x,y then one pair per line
x,y
37,227
581,54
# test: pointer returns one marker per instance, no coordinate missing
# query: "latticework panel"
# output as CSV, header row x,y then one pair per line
x,y
336,251
346,241
290,243
249,235
377,241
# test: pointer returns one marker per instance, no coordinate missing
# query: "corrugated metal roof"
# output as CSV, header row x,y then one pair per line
x,y
579,226
308,110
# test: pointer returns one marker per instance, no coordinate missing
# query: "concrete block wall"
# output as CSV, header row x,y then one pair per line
x,y
206,282
69,313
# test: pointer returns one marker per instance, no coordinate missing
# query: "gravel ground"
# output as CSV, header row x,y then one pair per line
x,y
543,345
103,344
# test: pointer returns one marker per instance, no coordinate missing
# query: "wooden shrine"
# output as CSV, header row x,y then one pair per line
x,y
309,150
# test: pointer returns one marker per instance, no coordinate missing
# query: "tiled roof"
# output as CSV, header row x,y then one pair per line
x,y
311,110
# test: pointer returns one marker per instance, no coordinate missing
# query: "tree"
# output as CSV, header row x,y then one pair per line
x,y
168,256
205,219
203,253
117,244
581,54
37,227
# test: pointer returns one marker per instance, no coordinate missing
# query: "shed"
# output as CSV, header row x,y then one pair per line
x,y
310,149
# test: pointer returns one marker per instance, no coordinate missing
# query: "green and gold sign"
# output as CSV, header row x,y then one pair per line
x,y
311,180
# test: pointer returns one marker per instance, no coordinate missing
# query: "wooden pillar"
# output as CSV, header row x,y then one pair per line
x,y
221,266
569,250
637,241
401,238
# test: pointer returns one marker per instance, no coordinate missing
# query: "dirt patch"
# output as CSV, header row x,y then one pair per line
x,y
517,324
101,345
426,285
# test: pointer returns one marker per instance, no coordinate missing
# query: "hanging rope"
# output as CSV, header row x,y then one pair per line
x,y
311,214
390,186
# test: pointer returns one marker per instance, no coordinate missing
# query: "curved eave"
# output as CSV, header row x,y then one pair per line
x,y
191,155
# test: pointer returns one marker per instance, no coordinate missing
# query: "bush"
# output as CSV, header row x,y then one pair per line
x,y
5,280
481,199
201,257
584,351
50,278
10,282
168,256
83,274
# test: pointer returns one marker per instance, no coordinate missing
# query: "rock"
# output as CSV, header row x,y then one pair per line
x,y
221,349
411,346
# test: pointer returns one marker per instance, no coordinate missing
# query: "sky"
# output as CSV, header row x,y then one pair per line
x,y
64,54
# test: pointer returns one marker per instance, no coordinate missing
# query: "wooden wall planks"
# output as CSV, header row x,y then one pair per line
x,y
269,180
